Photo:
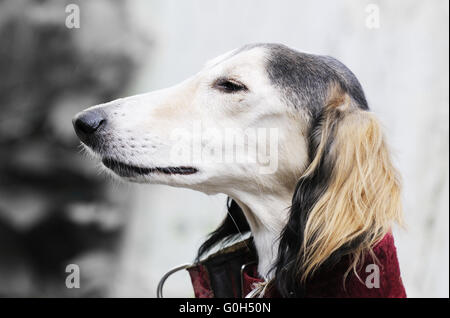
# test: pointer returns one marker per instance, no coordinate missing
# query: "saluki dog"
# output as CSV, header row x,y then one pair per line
x,y
320,207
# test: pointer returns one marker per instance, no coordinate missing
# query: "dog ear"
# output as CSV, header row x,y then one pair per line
x,y
346,200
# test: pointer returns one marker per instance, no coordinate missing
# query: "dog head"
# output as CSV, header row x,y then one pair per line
x,y
228,124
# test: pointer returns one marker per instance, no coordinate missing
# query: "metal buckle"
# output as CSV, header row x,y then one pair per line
x,y
159,289
242,277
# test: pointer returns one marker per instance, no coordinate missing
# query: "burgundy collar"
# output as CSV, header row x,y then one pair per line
x,y
232,273
229,273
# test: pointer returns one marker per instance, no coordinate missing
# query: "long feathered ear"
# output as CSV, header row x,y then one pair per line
x,y
346,200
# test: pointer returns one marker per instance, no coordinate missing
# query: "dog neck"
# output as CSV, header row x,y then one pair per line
x,y
266,214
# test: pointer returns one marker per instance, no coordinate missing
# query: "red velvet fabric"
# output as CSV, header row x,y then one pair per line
x,y
330,284
200,282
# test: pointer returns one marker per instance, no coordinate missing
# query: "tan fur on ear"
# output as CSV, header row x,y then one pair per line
x,y
363,196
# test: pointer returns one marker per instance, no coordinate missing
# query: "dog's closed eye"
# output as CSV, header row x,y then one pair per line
x,y
228,85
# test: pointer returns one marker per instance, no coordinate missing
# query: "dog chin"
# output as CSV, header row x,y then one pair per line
x,y
132,171
176,175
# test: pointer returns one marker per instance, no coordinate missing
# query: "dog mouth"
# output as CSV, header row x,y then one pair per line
x,y
126,170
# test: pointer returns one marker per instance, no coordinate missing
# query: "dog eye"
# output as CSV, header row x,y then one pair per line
x,y
229,85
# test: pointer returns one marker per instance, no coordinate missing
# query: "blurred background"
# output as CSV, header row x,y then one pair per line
x,y
56,209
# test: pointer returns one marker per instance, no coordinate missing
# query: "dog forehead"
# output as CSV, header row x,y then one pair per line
x,y
245,59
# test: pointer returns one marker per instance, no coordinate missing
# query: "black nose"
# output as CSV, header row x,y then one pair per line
x,y
87,124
